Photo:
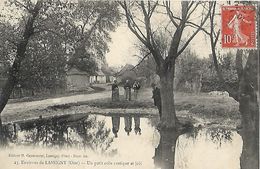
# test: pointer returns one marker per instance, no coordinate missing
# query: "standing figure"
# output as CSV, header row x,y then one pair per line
x,y
115,124
127,88
115,91
157,98
136,87
128,124
235,24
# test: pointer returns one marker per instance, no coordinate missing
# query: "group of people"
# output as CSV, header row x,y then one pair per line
x,y
136,86
127,87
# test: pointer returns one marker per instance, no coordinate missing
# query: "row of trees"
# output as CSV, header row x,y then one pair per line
x,y
191,69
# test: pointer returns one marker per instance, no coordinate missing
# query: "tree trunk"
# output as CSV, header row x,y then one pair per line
x,y
9,86
169,119
250,133
249,109
20,54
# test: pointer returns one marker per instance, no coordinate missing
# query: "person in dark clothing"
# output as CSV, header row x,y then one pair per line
x,y
136,87
157,98
115,91
127,88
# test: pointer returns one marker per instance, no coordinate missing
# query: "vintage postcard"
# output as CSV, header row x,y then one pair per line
x,y
101,84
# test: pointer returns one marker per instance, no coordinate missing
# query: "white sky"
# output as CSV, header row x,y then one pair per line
x,y
122,48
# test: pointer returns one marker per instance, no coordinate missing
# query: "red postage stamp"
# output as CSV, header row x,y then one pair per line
x,y
238,27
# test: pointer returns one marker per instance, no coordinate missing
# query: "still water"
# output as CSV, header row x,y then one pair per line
x,y
95,141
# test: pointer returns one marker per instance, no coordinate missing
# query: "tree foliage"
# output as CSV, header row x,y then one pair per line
x,y
188,69
83,61
66,34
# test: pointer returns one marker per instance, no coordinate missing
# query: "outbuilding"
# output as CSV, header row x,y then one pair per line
x,y
77,80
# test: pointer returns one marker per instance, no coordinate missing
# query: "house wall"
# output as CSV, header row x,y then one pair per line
x,y
101,79
110,79
98,79
92,79
78,82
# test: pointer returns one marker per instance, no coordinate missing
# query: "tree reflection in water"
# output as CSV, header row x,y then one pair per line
x,y
8,133
80,131
249,158
170,144
3,135
75,131
165,152
219,136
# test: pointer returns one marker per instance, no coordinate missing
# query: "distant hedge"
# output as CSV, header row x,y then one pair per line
x,y
208,86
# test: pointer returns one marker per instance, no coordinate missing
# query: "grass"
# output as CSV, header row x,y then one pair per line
x,y
203,105
207,109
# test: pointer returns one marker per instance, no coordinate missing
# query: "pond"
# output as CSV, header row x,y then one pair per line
x,y
96,141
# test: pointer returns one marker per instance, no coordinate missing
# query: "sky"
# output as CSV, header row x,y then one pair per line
x,y
122,47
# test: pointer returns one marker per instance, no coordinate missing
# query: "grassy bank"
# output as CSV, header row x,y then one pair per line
x,y
203,104
205,109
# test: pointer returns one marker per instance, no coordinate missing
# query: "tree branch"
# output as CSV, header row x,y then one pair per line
x,y
170,14
195,7
141,60
26,7
194,34
138,33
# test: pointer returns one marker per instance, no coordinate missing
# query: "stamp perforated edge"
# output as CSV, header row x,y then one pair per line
x,y
256,28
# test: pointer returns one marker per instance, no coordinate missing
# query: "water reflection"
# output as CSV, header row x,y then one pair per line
x,y
194,149
165,152
3,134
115,124
250,155
75,131
137,125
219,136
198,148
128,124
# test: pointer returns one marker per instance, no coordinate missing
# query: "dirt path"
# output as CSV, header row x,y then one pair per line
x,y
25,106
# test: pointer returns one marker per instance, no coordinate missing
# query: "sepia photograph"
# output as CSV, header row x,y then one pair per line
x,y
129,84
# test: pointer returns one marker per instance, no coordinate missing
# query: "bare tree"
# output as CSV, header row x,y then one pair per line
x,y
165,62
